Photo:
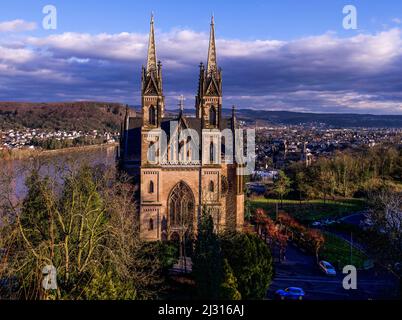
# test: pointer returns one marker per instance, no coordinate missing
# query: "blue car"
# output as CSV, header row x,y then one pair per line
x,y
291,293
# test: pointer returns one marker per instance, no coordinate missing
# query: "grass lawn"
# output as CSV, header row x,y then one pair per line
x,y
310,211
337,251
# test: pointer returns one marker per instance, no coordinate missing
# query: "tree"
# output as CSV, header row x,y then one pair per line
x,y
282,185
325,183
251,262
315,240
386,216
247,210
385,241
207,260
229,288
83,226
301,182
259,220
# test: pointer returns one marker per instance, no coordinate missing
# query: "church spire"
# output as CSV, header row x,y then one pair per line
x,y
181,105
153,105
152,62
210,85
212,65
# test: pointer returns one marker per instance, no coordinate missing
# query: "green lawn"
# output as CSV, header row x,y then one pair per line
x,y
310,211
337,251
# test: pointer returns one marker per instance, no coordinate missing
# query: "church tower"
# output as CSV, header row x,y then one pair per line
x,y
151,86
209,98
178,180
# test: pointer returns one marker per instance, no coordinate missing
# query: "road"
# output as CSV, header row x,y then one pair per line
x,y
301,270
355,218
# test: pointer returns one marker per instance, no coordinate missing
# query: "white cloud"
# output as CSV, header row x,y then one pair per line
x,y
320,73
363,50
16,55
122,46
17,25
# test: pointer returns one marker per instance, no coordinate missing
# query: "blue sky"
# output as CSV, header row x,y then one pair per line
x,y
251,19
280,55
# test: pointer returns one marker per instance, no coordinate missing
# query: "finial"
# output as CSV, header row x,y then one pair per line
x,y
181,103
152,17
212,19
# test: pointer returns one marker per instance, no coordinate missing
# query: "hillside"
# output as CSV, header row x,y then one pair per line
x,y
105,116
85,116
345,120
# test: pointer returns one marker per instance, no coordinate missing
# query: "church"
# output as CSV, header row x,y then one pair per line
x,y
195,172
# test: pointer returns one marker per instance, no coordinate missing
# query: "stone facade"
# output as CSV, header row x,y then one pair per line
x,y
181,179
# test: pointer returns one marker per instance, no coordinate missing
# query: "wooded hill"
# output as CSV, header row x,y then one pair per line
x,y
85,116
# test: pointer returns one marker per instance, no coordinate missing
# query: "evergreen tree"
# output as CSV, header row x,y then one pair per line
x,y
251,262
207,261
35,211
229,289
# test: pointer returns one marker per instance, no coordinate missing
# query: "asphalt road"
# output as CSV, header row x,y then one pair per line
x,y
355,218
301,270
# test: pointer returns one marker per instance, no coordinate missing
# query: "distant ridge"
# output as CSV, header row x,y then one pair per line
x,y
336,120
106,116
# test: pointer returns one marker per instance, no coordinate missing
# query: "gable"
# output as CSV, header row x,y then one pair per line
x,y
151,87
212,89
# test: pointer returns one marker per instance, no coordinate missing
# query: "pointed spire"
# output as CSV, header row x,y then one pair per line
x,y
152,62
212,65
234,116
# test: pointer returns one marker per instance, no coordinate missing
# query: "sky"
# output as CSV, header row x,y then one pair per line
x,y
275,55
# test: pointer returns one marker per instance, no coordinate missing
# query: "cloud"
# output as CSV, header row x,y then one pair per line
x,y
396,20
17,25
323,73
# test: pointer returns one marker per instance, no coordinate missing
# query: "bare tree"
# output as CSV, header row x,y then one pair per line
x,y
385,239
84,223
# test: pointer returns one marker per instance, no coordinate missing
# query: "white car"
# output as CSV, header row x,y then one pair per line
x,y
327,268
328,222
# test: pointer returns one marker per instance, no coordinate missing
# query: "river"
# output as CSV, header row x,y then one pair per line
x,y
53,165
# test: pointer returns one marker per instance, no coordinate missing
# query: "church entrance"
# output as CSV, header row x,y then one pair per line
x,y
181,208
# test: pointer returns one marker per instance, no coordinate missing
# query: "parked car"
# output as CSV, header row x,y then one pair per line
x,y
291,293
328,222
316,224
327,268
